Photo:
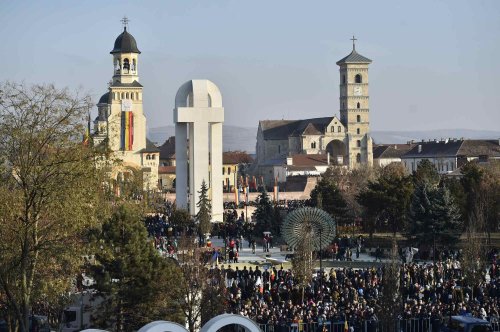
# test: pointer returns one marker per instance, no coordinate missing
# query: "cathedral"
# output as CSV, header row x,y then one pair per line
x,y
342,141
121,124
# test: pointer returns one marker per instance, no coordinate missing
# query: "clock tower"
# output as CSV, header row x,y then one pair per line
x,y
121,123
355,107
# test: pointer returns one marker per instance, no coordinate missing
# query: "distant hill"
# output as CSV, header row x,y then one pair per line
x,y
234,138
244,138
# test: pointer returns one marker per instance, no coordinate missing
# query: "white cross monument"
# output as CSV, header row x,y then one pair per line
x,y
198,118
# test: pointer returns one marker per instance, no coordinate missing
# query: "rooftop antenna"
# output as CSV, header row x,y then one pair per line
x,y
125,22
353,43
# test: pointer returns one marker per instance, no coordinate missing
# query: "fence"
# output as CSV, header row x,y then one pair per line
x,y
407,325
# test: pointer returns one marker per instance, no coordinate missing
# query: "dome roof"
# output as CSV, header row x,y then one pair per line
x,y
104,99
125,43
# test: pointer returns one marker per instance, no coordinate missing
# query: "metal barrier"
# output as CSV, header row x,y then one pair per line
x,y
403,325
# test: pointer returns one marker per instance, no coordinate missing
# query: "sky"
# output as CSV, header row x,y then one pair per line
x,y
434,64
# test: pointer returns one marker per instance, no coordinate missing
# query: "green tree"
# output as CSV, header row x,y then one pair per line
x,y
387,199
137,284
263,214
433,215
49,194
203,216
390,300
327,196
426,173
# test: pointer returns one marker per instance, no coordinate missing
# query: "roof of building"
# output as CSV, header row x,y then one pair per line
x,y
455,148
476,147
390,151
167,149
166,170
134,84
236,157
306,160
150,147
125,43
282,129
447,148
104,98
354,57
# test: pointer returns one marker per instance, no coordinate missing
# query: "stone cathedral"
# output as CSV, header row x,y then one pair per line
x,y
346,140
121,123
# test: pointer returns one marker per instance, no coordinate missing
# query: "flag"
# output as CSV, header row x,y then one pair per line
x,y
86,137
236,194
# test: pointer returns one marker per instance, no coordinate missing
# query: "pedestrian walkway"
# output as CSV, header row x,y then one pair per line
x,y
276,256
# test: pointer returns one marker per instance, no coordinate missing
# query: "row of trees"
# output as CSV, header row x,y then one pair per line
x,y
421,205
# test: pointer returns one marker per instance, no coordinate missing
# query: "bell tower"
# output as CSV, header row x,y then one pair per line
x,y
127,123
355,107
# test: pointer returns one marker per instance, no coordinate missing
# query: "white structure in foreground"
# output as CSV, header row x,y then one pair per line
x,y
198,118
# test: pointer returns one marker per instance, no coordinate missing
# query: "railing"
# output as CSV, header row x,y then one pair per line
x,y
404,325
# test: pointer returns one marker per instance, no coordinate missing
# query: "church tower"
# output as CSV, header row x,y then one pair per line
x,y
355,107
121,123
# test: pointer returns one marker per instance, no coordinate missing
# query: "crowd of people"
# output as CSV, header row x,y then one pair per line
x,y
428,292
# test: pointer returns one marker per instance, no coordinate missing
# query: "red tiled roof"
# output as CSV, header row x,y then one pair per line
x,y
166,170
236,157
309,160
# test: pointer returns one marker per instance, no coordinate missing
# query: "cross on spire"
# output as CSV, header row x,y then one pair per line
x,y
353,43
125,21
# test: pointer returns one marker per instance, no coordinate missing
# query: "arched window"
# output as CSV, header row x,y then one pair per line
x,y
123,95
223,170
358,143
357,131
134,68
137,95
358,118
126,96
132,95
332,129
126,65
148,157
229,171
339,129
358,105
117,65
358,78
358,158
343,79
153,157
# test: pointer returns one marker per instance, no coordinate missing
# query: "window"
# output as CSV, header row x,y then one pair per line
x,y
339,129
148,157
332,129
358,79
358,118
358,105
358,158
228,170
343,79
313,145
358,143
223,170
126,64
153,157
357,131
133,65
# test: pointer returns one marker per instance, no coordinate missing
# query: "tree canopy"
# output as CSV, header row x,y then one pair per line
x,y
49,193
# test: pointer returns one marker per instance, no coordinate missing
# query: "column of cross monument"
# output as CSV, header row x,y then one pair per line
x,y
199,114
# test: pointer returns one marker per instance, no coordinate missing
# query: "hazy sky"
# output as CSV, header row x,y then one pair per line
x,y
435,63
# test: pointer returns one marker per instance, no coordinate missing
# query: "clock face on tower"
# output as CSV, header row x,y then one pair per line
x,y
126,105
358,91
